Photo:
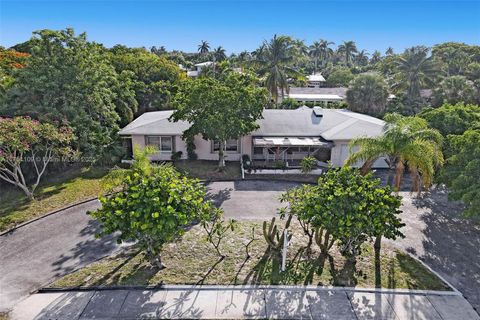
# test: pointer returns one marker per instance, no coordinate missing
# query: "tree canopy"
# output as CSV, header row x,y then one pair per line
x,y
368,93
220,109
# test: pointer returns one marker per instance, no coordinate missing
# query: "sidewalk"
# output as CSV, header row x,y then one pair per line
x,y
246,302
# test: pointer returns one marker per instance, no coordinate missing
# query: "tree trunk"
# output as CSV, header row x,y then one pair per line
x,y
221,155
378,273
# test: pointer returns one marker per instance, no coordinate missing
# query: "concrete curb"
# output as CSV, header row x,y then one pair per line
x,y
253,287
46,215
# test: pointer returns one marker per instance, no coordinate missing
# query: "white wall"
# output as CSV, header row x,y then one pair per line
x,y
203,148
340,153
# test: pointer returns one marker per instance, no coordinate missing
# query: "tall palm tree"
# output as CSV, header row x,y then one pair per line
x,y
389,51
407,142
219,53
361,58
348,49
416,69
376,57
274,60
204,47
320,50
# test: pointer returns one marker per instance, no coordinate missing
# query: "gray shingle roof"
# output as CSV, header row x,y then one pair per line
x,y
335,124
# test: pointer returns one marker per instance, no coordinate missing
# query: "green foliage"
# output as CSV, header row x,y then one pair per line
x,y
308,164
462,170
340,77
406,141
453,118
454,89
346,207
289,103
69,80
154,78
217,229
176,156
401,104
368,94
153,206
27,144
220,109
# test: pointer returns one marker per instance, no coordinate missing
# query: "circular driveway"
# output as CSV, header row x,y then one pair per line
x,y
249,199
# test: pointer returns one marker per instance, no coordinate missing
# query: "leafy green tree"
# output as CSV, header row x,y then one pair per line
x,y
453,119
220,109
340,77
454,89
405,142
275,59
368,93
348,207
154,79
361,59
69,80
415,69
462,170
27,144
153,206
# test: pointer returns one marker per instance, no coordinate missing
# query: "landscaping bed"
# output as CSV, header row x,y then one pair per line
x,y
71,186
193,260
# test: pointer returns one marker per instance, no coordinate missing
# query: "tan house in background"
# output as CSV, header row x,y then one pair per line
x,y
283,135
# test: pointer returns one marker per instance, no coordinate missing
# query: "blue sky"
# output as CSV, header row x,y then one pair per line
x,y
239,25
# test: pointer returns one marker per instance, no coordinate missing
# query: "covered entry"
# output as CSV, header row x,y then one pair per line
x,y
290,149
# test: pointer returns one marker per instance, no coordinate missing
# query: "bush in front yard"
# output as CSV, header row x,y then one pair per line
x,y
307,164
154,206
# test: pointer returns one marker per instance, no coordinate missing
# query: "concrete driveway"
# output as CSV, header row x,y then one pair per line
x,y
249,199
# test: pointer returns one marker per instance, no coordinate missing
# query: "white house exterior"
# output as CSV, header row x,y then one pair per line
x,y
283,135
317,95
315,80
198,69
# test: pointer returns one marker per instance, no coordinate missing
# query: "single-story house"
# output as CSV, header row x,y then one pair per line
x,y
315,80
282,135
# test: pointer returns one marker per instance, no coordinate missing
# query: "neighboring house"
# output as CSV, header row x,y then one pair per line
x,y
315,80
198,69
317,95
283,135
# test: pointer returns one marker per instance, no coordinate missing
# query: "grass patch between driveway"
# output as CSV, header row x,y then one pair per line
x,y
208,170
192,260
59,190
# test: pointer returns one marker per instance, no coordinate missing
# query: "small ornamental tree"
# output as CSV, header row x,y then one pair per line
x,y
346,207
308,164
220,109
27,144
153,205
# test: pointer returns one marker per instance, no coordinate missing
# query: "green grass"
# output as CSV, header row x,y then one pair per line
x,y
55,192
192,260
208,170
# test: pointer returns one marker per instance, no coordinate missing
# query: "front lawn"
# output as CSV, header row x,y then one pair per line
x,y
208,170
192,260
59,190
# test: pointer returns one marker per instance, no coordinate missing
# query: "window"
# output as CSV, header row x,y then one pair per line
x,y
164,144
257,150
230,146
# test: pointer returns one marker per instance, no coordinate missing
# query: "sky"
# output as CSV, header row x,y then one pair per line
x,y
244,25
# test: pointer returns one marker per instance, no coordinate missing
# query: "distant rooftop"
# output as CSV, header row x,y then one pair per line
x,y
317,77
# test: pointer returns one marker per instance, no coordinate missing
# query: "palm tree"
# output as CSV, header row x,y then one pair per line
x,y
376,57
204,47
368,94
219,53
405,142
416,69
389,51
274,58
347,49
362,58
320,50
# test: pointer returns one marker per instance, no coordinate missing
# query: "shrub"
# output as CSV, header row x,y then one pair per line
x,y
176,156
308,163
